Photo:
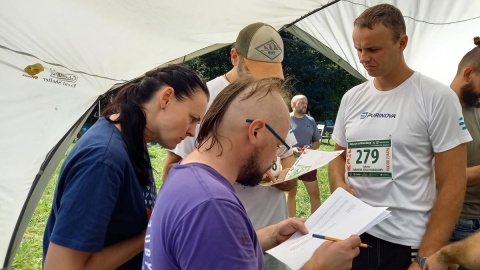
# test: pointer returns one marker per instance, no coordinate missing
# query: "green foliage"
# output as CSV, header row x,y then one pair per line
x,y
309,73
212,65
315,76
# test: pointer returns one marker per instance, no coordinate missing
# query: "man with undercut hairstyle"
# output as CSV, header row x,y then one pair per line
x,y
199,222
257,52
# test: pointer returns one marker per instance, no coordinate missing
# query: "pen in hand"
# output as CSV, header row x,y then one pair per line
x,y
362,245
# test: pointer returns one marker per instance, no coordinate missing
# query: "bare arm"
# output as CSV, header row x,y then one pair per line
x,y
336,171
287,163
60,257
334,255
450,176
465,253
170,159
473,175
273,235
315,145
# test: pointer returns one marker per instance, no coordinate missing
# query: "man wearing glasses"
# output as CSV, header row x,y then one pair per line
x,y
257,52
198,221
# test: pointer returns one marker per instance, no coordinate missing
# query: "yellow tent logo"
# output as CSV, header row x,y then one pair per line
x,y
34,69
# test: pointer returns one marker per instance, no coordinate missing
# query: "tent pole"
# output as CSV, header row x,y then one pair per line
x,y
308,14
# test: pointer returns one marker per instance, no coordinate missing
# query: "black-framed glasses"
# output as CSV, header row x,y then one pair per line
x,y
281,149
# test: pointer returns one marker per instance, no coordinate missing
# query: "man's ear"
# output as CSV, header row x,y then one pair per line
x,y
254,130
234,57
167,94
403,41
467,74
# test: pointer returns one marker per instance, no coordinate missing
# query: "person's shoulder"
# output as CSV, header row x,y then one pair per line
x,y
431,87
216,85
310,118
358,89
103,142
425,82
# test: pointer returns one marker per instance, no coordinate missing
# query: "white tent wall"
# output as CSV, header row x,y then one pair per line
x,y
101,43
98,43
440,33
37,114
41,180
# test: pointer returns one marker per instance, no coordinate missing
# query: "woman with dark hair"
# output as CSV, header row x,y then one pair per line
x,y
106,191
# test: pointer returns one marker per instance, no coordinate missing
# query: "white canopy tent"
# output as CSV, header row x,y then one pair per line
x,y
88,46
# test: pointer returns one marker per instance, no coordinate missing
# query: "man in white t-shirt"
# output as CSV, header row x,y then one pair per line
x,y
403,137
258,52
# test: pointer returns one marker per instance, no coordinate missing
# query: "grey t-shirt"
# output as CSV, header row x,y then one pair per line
x,y
471,205
305,130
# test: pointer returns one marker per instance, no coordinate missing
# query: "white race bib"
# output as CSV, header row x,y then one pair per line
x,y
369,158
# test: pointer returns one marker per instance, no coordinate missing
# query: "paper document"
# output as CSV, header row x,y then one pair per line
x,y
340,216
309,160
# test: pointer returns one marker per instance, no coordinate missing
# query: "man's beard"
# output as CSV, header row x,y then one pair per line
x,y
250,173
469,97
301,111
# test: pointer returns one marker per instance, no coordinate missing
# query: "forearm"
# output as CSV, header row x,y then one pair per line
x,y
473,175
442,221
60,257
315,145
450,168
266,237
114,256
336,171
465,253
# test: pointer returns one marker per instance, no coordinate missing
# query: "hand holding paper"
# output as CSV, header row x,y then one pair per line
x,y
308,161
340,216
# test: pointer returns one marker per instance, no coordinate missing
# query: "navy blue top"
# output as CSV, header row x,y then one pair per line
x,y
98,200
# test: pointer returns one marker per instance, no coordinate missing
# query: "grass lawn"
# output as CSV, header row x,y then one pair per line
x,y
29,254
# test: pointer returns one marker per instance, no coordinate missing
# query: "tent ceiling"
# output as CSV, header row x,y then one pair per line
x,y
88,46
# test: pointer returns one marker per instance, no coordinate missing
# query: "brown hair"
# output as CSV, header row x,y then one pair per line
x,y
388,15
472,58
214,116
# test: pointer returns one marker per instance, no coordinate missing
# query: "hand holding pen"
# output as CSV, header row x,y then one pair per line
x,y
336,255
362,245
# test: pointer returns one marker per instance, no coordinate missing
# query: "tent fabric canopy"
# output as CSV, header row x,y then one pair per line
x,y
88,46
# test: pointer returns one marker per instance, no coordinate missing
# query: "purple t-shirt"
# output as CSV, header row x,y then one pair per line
x,y
199,223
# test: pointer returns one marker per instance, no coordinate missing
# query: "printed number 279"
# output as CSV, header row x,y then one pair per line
x,y
373,154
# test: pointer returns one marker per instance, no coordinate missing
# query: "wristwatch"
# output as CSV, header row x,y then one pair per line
x,y
420,260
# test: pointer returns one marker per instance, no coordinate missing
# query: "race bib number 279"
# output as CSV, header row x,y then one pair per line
x,y
369,158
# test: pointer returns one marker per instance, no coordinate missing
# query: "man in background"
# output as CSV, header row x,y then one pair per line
x,y
305,130
257,52
466,85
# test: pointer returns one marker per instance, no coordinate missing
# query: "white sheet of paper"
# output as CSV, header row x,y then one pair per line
x,y
309,160
340,216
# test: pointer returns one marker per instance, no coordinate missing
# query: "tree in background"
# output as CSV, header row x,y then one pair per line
x,y
318,78
309,72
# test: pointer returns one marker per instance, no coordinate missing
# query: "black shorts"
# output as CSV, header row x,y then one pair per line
x,y
309,176
383,255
